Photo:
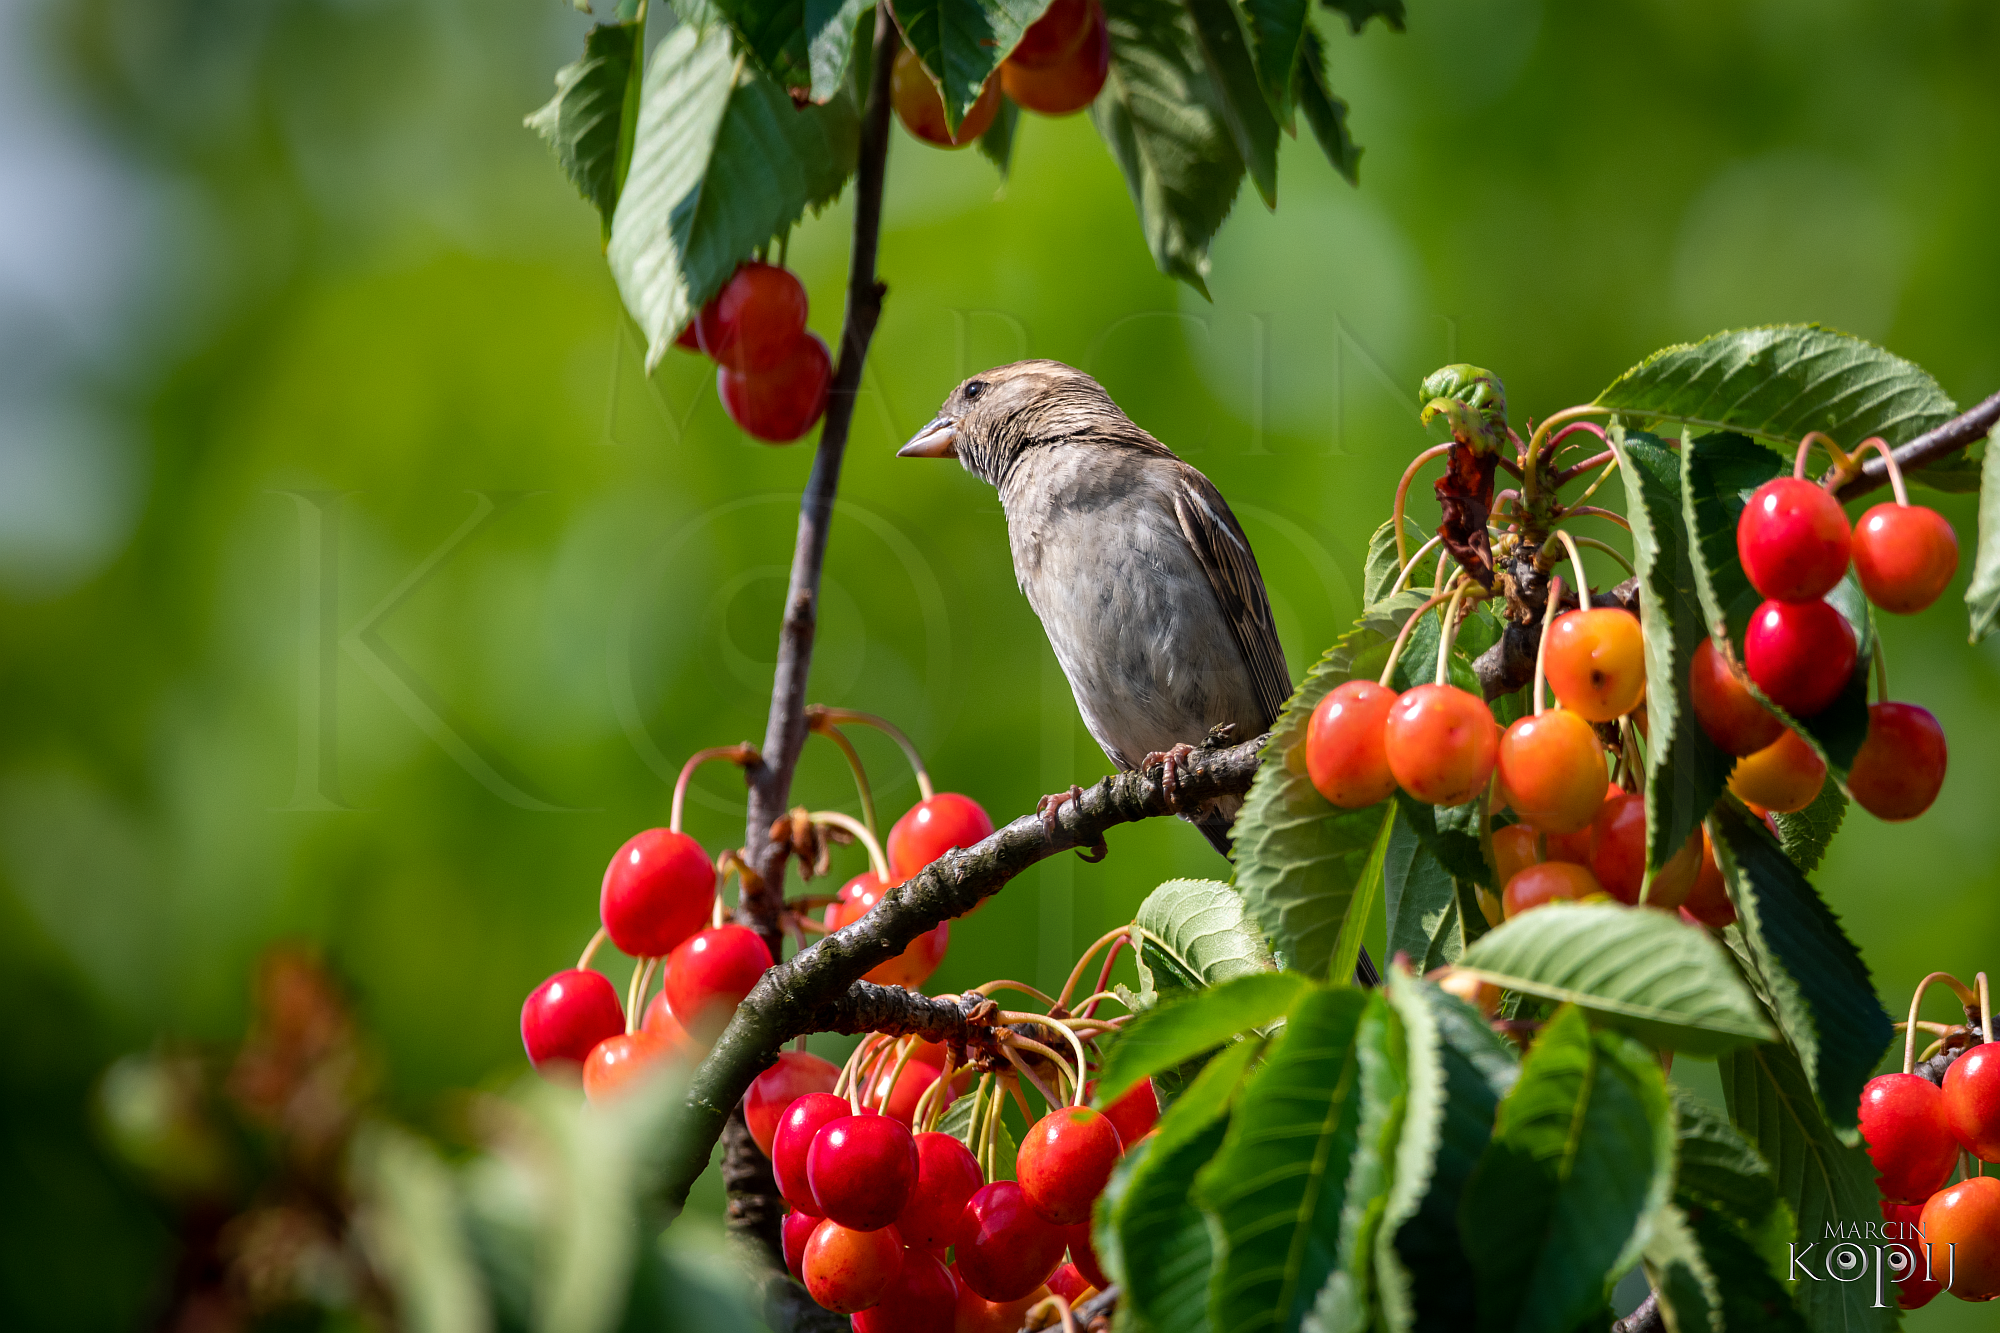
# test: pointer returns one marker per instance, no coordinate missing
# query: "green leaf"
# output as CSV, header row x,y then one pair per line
x,y
834,29
1150,1234
1325,113
1805,834
962,42
1808,970
1653,975
1196,934
722,162
1982,597
1383,1045
1384,562
1161,116
1720,1172
1277,35
1751,1296
1823,1180
1421,901
997,144
1581,1156
771,35
1690,1296
1218,29
1275,1190
583,123
1180,1029
1449,833
1358,12
1417,1142
1781,381
1685,772
408,1216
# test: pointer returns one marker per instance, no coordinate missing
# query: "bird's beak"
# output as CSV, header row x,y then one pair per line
x,y
937,440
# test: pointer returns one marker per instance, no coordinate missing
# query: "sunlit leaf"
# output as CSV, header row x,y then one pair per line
x,y
1421,902
1806,834
1218,27
1982,597
962,42
1195,933
1690,1296
1180,1029
583,124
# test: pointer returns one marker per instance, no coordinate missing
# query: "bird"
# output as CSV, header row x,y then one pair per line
x,y
1144,581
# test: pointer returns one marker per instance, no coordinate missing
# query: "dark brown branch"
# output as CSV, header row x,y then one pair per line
x,y
1960,432
1644,1319
820,986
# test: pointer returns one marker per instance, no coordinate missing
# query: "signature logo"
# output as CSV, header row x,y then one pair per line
x,y
1861,1251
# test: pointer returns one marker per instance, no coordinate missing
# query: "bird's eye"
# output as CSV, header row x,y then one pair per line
x,y
974,389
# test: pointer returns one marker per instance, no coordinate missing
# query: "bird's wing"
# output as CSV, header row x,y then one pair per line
x,y
1218,542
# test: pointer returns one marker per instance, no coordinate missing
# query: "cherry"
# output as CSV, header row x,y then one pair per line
x,y
1083,1254
1902,1118
1729,714
1056,35
1972,1101
1904,1256
1134,1114
848,1271
782,403
862,1169
1442,744
1065,1161
933,827
794,1075
1545,883
1515,849
1618,856
910,968
1596,662
1068,85
1575,847
1069,1284
1800,654
1344,756
899,1102
792,1145
920,106
709,974
657,891
798,1230
1900,767
660,1021
753,322
1966,1215
1785,775
1904,556
1006,1249
567,1015
1552,771
617,1063
947,1177
976,1314
922,1299
1792,539
687,338
1480,994
1708,902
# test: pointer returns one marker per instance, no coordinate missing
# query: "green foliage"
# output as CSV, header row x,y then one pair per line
x,y
1644,971
583,124
1358,12
1176,1031
1982,598
962,42
1806,834
1325,113
958,1122
1451,834
1383,562
1421,901
1218,30
1809,972
1414,1056
1721,1173
1278,31
1581,1157
1690,1296
1195,934
835,30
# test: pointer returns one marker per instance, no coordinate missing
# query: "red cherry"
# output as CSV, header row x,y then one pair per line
x,y
848,1271
1618,856
1055,36
1972,1101
1069,1284
1900,767
922,1299
567,1015
1006,1249
792,1145
976,1314
899,1103
1903,1120
1134,1114
1904,556
1723,704
947,1178
1344,756
1068,85
617,1063
1515,849
1547,882
754,321
798,1230
1575,847
1793,540
920,106
1905,1255
794,1075
931,828
1966,1215
1083,1254
1552,771
908,969
1708,902
862,1169
1481,995
779,404
1785,776
687,339
710,973
1065,1161
657,891
660,1021
1596,662
1800,654
1441,743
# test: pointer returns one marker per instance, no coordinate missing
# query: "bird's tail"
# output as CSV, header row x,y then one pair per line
x,y
1215,826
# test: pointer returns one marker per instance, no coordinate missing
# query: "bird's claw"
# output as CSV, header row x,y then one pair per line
x,y
1170,777
1050,808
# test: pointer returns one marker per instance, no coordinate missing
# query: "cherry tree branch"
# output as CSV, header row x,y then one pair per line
x,y
1960,432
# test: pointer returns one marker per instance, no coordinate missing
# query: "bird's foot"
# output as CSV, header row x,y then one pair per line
x,y
1220,736
1170,775
1050,807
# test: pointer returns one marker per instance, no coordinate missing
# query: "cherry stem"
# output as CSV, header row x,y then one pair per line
x,y
1550,608
1843,463
1075,1042
740,755
1076,973
1633,767
1608,549
1007,1049
1875,442
591,948
1985,1009
838,716
904,1050
1020,986
843,1086
1576,564
1942,1029
1555,441
930,1109
635,991
839,737
1444,564
1410,565
1402,494
1403,637
1592,511
1958,988
993,1127
877,861
1530,478
1014,1090
1059,1305
1597,481
1089,1007
1447,631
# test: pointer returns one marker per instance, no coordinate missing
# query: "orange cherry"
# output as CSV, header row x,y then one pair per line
x,y
1545,883
1552,771
920,106
1729,714
1441,744
1596,662
1344,754
1514,850
1784,776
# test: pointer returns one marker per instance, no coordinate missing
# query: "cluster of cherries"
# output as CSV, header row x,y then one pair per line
x,y
1056,69
1920,1133
771,372
659,904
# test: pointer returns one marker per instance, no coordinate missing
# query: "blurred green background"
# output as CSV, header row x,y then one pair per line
x,y
291,305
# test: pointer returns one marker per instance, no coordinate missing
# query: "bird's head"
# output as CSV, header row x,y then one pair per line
x,y
991,419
